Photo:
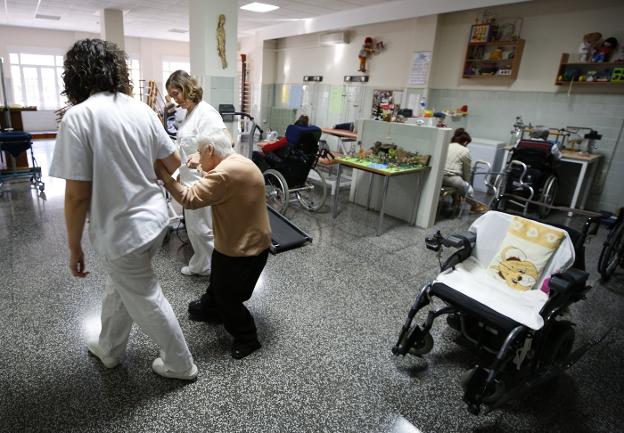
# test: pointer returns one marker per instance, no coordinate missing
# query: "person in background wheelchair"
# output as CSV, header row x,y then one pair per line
x,y
287,163
268,158
458,167
504,289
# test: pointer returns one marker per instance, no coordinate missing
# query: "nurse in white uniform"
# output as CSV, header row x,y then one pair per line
x,y
201,117
106,148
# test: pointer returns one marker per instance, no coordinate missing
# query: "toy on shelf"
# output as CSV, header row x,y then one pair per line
x,y
617,75
496,54
591,41
603,53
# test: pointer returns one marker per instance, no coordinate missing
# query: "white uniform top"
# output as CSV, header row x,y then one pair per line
x,y
202,119
113,140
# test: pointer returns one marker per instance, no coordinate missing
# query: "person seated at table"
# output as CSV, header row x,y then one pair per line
x,y
458,167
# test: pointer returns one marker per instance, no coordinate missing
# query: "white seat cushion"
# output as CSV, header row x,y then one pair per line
x,y
474,280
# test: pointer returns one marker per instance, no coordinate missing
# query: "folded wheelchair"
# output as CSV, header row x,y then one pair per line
x,y
291,170
514,323
530,173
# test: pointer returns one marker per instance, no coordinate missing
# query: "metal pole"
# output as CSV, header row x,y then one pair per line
x,y
6,118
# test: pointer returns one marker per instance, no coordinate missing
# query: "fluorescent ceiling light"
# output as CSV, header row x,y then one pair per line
x,y
47,17
259,7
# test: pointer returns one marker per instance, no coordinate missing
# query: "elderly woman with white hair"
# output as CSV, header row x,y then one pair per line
x,y
234,187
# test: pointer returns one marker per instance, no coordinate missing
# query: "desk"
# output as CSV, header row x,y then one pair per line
x,y
586,160
341,133
377,169
345,136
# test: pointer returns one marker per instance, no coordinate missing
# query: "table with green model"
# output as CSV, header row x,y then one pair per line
x,y
381,169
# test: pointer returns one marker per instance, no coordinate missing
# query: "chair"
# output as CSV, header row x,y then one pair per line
x,y
519,335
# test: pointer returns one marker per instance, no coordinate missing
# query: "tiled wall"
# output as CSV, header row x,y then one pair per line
x,y
492,114
328,104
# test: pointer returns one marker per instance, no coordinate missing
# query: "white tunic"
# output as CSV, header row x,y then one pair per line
x,y
113,140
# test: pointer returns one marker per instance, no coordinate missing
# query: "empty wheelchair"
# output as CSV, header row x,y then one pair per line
x,y
530,173
494,294
290,172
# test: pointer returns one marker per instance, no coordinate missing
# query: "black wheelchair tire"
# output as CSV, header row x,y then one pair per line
x,y
493,395
548,194
559,344
277,193
425,346
612,252
306,200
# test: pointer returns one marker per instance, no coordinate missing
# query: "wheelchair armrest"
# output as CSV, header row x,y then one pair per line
x,y
565,288
571,284
465,242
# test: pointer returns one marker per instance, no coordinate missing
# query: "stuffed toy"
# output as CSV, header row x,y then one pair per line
x,y
603,53
591,41
368,49
497,54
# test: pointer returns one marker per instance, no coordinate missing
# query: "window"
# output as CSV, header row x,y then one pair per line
x,y
169,67
134,70
37,80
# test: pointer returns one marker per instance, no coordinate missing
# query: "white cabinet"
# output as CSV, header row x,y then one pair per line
x,y
491,151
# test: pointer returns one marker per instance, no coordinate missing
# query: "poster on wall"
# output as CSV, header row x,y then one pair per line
x,y
384,105
419,68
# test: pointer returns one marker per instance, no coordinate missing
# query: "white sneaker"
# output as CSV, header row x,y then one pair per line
x,y
108,361
159,368
187,271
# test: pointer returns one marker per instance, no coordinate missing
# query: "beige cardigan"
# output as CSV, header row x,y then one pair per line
x,y
458,161
235,190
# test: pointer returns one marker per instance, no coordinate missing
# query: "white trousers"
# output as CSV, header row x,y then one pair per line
x,y
133,294
199,229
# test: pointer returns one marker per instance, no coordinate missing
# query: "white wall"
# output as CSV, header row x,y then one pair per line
x,y
303,55
550,27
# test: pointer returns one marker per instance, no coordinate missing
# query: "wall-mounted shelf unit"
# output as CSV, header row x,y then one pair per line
x,y
493,60
589,73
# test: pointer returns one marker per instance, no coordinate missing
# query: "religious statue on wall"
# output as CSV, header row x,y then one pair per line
x,y
221,40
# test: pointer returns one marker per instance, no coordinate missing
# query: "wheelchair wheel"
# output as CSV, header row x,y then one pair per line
x,y
559,344
547,196
424,347
494,392
276,190
612,253
314,196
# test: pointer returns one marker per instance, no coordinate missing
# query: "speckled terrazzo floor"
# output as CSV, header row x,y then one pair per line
x,y
328,315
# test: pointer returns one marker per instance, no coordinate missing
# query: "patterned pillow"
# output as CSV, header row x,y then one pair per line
x,y
524,253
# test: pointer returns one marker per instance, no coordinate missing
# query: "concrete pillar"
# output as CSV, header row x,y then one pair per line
x,y
111,22
218,80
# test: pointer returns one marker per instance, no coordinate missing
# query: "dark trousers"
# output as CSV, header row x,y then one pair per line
x,y
232,281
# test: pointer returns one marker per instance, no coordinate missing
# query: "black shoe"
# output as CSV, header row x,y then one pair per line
x,y
199,313
241,350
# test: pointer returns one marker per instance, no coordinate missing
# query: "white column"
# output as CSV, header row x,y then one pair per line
x,y
217,79
111,22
